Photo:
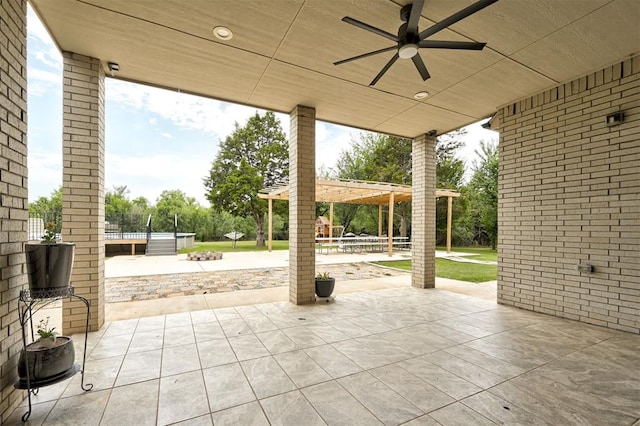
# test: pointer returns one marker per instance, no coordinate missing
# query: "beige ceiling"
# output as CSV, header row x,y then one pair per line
x,y
282,53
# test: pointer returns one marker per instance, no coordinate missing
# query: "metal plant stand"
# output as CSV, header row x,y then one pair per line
x,y
30,302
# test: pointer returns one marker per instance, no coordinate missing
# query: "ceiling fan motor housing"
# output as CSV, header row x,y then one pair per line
x,y
405,12
410,39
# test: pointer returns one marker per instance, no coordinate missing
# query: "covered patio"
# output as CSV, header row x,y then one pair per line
x,y
558,79
394,356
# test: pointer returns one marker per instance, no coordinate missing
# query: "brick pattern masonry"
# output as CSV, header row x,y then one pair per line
x,y
569,188
13,192
302,205
423,205
83,186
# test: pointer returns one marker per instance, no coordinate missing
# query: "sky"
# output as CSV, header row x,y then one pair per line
x,y
155,139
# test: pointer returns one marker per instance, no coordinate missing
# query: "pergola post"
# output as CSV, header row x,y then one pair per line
x,y
390,232
302,205
330,222
270,243
449,209
379,220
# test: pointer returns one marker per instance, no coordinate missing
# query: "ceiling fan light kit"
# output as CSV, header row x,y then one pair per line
x,y
410,39
408,51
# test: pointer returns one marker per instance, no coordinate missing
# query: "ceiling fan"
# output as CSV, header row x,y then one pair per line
x,y
410,39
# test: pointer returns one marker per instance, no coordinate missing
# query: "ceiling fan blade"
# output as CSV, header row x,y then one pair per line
x,y
458,16
364,55
385,69
369,28
466,45
421,67
414,17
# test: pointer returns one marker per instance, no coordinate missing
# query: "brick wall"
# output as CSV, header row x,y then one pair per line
x,y
302,205
569,193
423,206
13,192
83,187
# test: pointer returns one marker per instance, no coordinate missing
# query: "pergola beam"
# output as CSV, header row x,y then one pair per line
x,y
360,192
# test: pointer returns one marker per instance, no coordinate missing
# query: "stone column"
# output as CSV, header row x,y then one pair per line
x,y
83,186
302,205
423,207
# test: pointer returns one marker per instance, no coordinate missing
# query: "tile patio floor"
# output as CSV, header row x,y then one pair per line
x,y
396,356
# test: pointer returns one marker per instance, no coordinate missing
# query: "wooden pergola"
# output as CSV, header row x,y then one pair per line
x,y
358,192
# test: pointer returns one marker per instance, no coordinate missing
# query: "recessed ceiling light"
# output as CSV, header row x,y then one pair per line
x,y
223,33
421,95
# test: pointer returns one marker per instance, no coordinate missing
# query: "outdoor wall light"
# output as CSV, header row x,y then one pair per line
x,y
584,267
223,33
113,67
615,119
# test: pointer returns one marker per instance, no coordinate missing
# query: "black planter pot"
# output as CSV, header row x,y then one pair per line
x,y
49,265
324,288
46,365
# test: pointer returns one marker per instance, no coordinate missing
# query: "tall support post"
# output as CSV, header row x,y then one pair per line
x,y
270,243
379,220
423,207
83,187
390,233
14,199
449,213
302,205
330,223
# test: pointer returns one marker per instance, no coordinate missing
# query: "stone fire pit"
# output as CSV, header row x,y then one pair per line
x,y
209,255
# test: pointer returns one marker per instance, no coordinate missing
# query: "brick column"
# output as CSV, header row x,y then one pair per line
x,y
423,207
13,193
302,205
83,186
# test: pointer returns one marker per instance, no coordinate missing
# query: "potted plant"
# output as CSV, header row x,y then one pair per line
x,y
47,335
324,284
49,263
48,358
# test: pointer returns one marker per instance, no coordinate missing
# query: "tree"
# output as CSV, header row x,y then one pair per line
x,y
192,217
125,215
351,164
48,206
169,204
391,162
449,175
48,209
484,191
375,157
253,157
117,200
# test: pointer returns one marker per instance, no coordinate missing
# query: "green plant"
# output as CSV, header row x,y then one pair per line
x,y
471,272
50,233
44,331
323,276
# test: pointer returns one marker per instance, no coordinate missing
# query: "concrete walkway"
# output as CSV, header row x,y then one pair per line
x,y
136,266
128,266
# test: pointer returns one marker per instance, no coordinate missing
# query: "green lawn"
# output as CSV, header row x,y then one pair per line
x,y
227,246
472,272
482,253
